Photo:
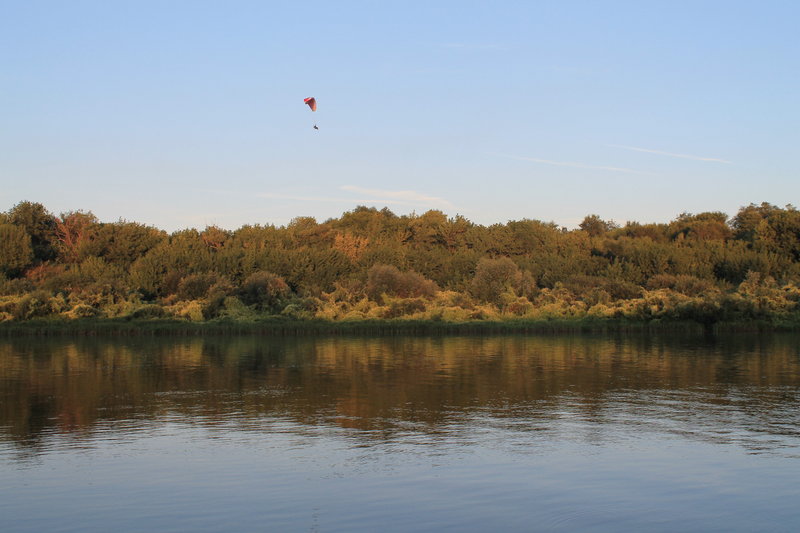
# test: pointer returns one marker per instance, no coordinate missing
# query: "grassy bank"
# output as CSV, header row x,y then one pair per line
x,y
282,326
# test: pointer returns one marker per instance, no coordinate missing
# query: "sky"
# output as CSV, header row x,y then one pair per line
x,y
181,114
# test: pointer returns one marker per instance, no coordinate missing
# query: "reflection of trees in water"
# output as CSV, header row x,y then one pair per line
x,y
390,385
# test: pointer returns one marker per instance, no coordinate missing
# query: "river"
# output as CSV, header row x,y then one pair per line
x,y
443,433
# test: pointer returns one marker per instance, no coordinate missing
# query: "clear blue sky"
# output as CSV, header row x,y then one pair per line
x,y
187,114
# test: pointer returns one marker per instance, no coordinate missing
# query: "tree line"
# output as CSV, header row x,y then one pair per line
x,y
370,263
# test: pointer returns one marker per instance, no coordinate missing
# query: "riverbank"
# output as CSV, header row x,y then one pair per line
x,y
282,326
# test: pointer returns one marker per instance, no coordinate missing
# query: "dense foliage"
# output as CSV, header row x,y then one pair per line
x,y
373,264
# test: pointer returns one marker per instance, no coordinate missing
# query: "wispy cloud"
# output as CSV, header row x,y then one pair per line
x,y
670,154
276,196
411,198
572,164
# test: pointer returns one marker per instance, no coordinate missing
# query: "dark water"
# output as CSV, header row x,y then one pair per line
x,y
506,433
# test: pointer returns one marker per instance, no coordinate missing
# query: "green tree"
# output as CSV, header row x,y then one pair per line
x,y
122,242
746,221
160,270
780,233
16,251
369,222
703,226
40,225
596,226
311,270
635,230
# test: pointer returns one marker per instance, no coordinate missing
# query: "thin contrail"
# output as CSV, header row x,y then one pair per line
x,y
670,154
572,164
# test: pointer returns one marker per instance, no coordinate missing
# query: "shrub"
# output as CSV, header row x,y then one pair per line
x,y
684,284
404,306
597,296
705,311
235,309
601,310
148,311
265,291
453,299
196,286
83,311
7,305
302,308
215,298
452,314
519,307
389,280
493,277
594,289
190,310
33,305
761,296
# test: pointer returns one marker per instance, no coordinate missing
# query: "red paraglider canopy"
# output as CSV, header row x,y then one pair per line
x,y
311,102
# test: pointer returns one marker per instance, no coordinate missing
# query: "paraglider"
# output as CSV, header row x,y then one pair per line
x,y
311,102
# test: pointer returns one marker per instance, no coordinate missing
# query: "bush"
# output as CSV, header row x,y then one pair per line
x,y
148,311
191,310
596,289
83,311
684,284
404,306
704,311
519,306
493,277
453,299
33,305
196,286
389,280
215,298
623,290
234,309
265,291
8,304
760,296
302,308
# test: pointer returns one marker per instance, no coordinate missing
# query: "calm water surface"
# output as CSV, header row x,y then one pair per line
x,y
500,433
